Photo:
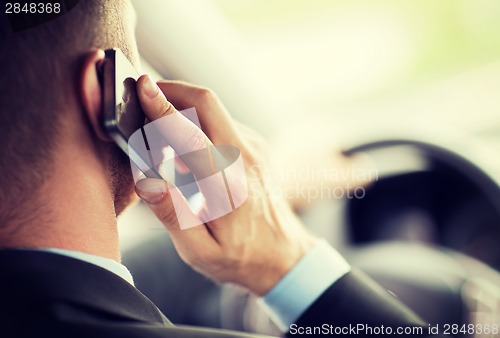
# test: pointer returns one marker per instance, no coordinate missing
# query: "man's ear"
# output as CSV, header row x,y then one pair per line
x,y
90,92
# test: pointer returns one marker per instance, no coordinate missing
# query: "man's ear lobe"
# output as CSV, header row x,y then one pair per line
x,y
90,92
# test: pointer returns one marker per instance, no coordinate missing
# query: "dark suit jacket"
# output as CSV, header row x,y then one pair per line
x,y
49,295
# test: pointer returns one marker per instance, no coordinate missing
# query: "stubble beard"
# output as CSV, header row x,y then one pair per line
x,y
121,180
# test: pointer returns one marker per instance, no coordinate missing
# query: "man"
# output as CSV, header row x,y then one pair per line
x,y
63,183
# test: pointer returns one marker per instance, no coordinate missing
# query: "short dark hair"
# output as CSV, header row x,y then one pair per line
x,y
39,71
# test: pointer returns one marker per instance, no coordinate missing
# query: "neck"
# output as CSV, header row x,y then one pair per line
x,y
77,210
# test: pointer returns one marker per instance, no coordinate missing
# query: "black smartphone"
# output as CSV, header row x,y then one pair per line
x,y
122,113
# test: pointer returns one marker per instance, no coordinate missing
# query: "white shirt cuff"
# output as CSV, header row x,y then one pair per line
x,y
303,284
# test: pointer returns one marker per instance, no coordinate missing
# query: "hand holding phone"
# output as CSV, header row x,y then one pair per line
x,y
261,239
253,246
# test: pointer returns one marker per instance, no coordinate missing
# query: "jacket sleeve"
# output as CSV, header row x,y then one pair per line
x,y
355,305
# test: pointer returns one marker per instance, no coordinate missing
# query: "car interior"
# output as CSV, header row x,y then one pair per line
x,y
410,86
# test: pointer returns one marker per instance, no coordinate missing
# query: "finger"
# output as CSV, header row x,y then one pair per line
x,y
173,211
214,118
189,142
183,135
192,146
170,206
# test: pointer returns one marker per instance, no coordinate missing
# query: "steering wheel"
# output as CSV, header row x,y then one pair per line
x,y
431,235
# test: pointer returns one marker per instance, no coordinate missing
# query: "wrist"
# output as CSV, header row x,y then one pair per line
x,y
321,267
264,277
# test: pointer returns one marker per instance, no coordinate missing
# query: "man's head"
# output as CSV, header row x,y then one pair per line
x,y
49,96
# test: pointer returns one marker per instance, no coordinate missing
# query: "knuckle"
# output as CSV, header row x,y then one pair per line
x,y
234,254
168,216
197,259
252,159
204,95
166,108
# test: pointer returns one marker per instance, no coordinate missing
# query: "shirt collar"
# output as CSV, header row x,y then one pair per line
x,y
105,263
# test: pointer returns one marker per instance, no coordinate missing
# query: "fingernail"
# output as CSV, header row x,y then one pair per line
x,y
149,87
151,191
151,197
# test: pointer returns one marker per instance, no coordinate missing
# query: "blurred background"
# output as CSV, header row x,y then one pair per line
x,y
345,59
422,77
342,71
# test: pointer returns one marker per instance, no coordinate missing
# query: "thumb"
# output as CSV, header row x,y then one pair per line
x,y
168,203
172,209
151,190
